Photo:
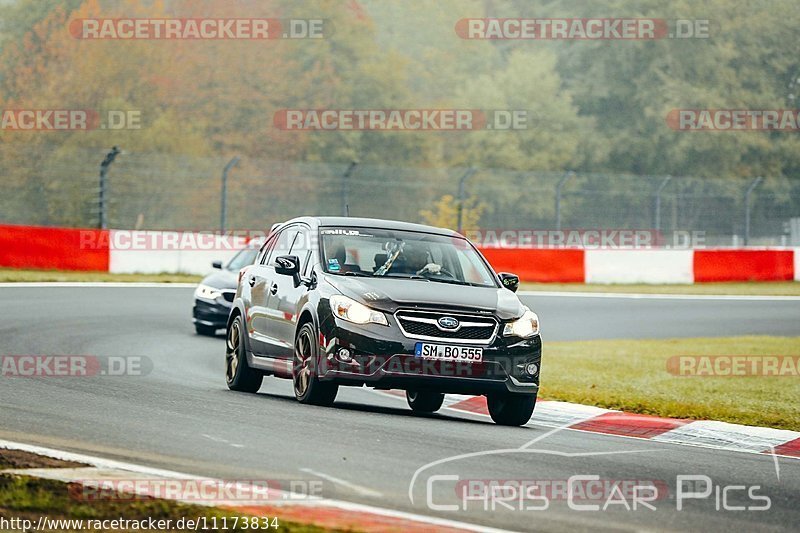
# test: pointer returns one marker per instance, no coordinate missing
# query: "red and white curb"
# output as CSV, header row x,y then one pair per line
x,y
336,514
702,433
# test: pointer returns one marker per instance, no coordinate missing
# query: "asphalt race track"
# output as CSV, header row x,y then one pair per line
x,y
599,316
367,447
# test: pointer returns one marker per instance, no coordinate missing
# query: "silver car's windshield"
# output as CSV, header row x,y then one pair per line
x,y
242,259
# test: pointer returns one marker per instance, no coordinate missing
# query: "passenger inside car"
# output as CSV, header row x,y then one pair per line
x,y
338,253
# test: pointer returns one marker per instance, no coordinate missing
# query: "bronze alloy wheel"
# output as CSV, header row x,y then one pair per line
x,y
234,338
307,386
238,374
301,369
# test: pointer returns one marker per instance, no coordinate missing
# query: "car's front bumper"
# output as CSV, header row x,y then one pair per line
x,y
382,357
211,313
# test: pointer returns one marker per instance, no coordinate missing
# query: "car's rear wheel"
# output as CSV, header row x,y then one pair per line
x,y
238,374
511,409
424,401
208,331
307,386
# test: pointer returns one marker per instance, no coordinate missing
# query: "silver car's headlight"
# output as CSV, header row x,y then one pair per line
x,y
526,326
206,292
352,311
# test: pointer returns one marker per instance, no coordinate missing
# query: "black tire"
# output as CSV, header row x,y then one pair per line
x,y
308,388
511,409
424,401
238,374
206,331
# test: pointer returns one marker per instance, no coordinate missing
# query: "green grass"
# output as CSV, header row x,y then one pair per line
x,y
764,288
631,375
17,275
29,498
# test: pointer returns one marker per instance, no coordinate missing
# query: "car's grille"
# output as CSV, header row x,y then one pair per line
x,y
424,325
229,295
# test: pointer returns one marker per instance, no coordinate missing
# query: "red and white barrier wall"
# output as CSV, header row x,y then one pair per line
x,y
648,266
116,251
153,252
124,251
51,248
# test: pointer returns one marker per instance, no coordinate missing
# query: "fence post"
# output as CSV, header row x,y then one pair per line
x,y
346,188
223,211
660,188
559,187
103,192
470,171
755,183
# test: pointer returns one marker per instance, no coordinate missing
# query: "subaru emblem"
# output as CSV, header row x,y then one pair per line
x,y
448,322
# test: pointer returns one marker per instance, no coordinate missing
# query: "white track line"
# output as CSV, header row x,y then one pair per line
x,y
364,491
558,414
338,504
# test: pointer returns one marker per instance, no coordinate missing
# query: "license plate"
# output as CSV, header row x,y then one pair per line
x,y
448,353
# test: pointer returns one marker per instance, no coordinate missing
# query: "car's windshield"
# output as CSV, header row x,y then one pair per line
x,y
383,253
242,259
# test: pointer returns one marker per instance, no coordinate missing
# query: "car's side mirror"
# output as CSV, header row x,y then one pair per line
x,y
509,281
216,264
288,265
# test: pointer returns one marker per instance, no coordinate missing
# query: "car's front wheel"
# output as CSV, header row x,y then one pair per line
x,y
238,374
307,386
424,401
511,409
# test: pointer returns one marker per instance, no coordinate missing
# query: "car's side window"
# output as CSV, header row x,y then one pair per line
x,y
268,246
302,248
283,244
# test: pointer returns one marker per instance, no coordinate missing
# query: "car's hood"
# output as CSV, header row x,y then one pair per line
x,y
222,279
388,294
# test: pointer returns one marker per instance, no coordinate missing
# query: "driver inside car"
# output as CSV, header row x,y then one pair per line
x,y
411,261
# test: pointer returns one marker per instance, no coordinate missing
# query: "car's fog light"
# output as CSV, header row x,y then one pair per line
x,y
531,369
344,355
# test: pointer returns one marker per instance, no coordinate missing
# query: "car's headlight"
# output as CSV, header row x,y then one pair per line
x,y
525,326
352,311
207,293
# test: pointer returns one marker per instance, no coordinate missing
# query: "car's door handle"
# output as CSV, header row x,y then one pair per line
x,y
274,288
252,281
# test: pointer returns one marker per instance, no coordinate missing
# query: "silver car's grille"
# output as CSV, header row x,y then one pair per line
x,y
425,325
